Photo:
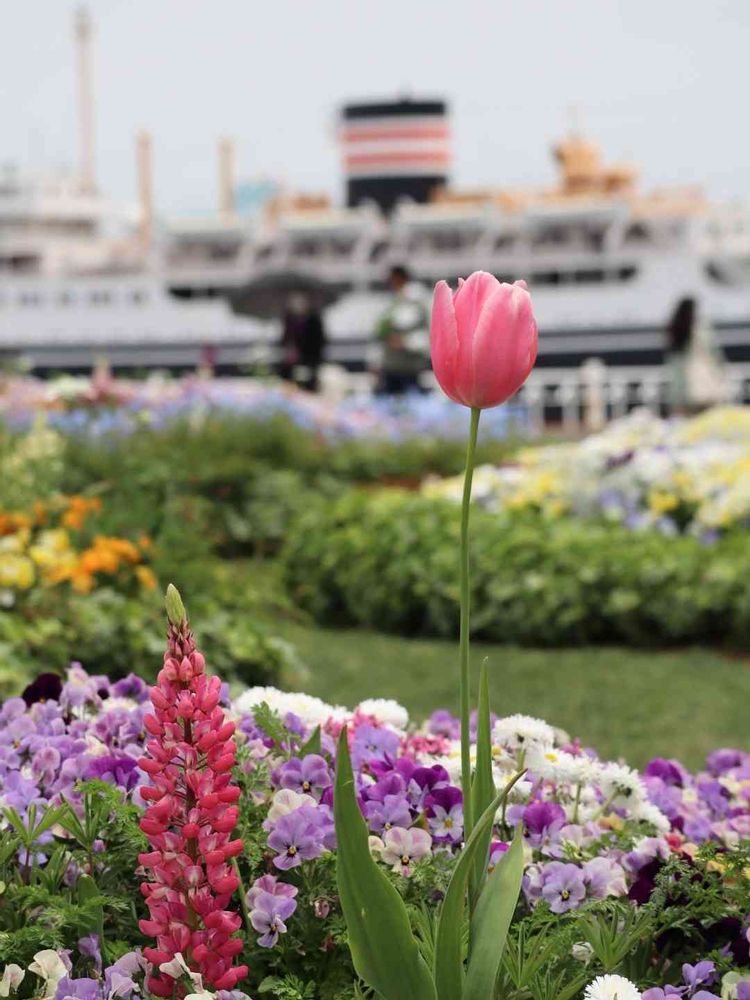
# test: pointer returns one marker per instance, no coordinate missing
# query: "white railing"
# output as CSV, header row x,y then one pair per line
x,y
585,398
574,399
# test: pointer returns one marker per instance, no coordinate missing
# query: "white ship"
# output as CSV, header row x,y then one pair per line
x,y
81,279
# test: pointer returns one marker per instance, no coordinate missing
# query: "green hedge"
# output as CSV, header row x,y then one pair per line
x,y
390,561
237,482
110,633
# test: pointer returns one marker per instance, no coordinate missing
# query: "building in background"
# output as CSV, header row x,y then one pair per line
x,y
82,278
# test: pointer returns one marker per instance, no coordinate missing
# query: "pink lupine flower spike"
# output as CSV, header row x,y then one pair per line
x,y
189,819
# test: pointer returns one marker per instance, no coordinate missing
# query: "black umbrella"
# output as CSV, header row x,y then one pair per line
x,y
267,296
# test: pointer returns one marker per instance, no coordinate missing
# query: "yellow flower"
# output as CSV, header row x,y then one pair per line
x,y
16,571
146,577
660,502
52,546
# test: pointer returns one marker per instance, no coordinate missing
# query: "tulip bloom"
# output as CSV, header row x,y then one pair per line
x,y
483,339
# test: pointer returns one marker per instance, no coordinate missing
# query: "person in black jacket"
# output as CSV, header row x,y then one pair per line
x,y
302,343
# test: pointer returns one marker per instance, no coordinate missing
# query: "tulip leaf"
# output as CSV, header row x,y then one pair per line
x,y
449,972
482,786
491,920
384,950
313,744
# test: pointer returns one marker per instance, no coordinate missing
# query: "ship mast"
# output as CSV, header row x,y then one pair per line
x,y
87,177
226,152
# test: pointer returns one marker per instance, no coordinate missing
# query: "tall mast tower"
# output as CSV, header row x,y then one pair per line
x,y
86,170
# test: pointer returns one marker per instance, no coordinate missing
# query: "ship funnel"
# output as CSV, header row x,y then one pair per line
x,y
145,189
226,178
85,101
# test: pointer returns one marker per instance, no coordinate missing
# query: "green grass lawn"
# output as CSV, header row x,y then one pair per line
x,y
625,703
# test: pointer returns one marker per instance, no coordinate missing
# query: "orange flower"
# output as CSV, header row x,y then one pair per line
x,y
78,509
82,581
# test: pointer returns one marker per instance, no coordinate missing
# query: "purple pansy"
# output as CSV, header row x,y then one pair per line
x,y
309,774
392,811
296,837
445,814
563,886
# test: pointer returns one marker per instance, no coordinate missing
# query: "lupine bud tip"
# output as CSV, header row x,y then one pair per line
x,y
175,608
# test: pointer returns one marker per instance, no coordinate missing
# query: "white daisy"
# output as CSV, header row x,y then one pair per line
x,y
385,710
557,765
650,813
521,731
310,709
612,988
621,785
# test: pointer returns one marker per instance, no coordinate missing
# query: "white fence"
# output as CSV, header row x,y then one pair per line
x,y
575,399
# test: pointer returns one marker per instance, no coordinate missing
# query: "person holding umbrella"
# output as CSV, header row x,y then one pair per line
x,y
302,343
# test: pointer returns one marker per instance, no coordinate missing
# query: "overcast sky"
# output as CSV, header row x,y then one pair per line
x,y
664,83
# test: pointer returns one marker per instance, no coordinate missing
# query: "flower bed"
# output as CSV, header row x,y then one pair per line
x,y
675,476
388,561
97,408
624,872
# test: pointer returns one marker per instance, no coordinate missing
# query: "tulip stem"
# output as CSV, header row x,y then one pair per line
x,y
464,626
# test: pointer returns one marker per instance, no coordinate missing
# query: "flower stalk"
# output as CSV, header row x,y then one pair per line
x,y
465,624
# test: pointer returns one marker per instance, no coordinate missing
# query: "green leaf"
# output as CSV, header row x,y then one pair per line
x,y
51,816
449,969
482,786
384,951
313,744
88,892
491,920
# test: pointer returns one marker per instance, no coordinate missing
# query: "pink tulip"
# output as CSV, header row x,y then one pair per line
x,y
483,339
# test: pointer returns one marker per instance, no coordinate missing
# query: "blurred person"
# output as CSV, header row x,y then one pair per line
x,y
402,333
694,360
302,343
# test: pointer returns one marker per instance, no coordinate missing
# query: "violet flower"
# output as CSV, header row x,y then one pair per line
x,y
309,775
392,811
445,814
268,916
563,886
296,837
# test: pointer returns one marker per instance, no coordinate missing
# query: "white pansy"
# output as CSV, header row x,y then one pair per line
x,y
582,952
375,844
522,731
51,968
95,747
286,801
729,984
612,988
176,967
385,710
121,702
11,979
310,709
